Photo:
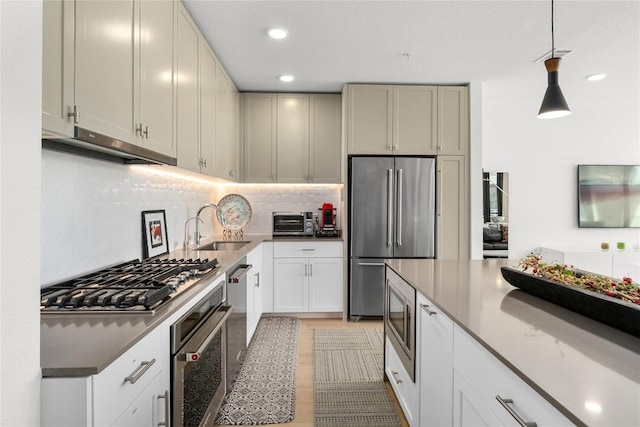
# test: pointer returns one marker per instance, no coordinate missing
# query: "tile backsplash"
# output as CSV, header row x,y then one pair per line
x,y
91,210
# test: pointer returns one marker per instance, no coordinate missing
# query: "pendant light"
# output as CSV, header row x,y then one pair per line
x,y
553,104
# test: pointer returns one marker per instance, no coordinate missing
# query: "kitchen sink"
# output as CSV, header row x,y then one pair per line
x,y
223,245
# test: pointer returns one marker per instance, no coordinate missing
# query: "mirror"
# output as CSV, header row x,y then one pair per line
x,y
495,231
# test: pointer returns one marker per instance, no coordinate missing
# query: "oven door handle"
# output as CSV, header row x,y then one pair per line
x,y
195,356
239,273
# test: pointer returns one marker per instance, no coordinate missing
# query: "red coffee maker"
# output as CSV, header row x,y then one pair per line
x,y
327,217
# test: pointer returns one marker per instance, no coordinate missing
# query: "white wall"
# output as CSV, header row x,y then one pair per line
x,y
91,212
20,101
541,155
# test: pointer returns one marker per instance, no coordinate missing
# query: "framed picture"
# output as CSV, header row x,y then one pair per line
x,y
154,234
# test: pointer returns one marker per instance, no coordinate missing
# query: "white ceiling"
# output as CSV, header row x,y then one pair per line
x,y
335,42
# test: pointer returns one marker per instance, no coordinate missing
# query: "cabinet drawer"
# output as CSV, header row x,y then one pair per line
x,y
307,249
115,388
490,378
405,389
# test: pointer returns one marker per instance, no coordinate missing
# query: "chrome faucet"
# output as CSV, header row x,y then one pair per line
x,y
196,235
185,245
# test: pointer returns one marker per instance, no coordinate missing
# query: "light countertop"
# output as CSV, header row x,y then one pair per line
x,y
85,344
572,361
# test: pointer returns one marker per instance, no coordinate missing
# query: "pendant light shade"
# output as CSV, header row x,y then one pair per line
x,y
553,104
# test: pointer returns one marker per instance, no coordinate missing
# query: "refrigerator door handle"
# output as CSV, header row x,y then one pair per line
x,y
399,202
389,205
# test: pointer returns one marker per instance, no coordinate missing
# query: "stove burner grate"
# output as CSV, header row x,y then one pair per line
x,y
131,286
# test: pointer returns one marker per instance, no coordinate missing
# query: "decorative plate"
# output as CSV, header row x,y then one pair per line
x,y
234,212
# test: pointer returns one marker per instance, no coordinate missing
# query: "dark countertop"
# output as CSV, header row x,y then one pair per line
x,y
568,358
85,344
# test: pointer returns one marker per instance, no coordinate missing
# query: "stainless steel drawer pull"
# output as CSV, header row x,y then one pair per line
x,y
307,249
426,308
395,377
144,367
505,404
167,411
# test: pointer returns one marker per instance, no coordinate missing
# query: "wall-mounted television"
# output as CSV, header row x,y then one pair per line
x,y
608,196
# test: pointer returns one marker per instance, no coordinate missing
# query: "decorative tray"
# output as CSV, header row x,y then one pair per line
x,y
614,312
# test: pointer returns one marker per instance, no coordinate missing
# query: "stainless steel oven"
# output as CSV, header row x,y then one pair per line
x,y
198,365
399,318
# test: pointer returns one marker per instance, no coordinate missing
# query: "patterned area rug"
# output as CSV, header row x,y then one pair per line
x,y
349,384
265,389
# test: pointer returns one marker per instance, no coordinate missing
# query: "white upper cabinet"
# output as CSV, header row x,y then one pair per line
x,y
208,74
58,68
414,119
369,119
104,75
292,129
155,105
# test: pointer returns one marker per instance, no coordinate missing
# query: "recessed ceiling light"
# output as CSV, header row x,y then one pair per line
x,y
286,78
596,77
277,33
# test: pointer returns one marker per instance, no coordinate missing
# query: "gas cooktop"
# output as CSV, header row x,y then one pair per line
x,y
133,286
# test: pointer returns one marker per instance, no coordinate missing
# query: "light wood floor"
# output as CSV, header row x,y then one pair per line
x,y
304,381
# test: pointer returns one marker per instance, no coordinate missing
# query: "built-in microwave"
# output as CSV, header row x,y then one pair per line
x,y
400,319
293,224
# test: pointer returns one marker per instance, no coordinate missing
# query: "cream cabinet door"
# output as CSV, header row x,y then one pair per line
x,y
208,94
452,219
57,67
453,120
155,76
415,119
222,123
104,72
369,119
260,137
187,119
292,153
325,139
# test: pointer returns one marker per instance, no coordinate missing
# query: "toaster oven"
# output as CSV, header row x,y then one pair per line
x,y
293,224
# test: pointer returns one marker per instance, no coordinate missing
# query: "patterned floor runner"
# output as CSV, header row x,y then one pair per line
x,y
349,385
265,389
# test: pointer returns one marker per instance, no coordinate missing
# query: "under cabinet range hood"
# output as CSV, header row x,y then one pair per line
x,y
93,144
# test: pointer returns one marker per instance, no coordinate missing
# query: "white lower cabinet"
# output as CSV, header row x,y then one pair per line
x,y
307,277
405,388
435,364
480,378
128,392
254,291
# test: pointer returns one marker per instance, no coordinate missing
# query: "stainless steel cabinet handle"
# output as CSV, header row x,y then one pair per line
x,y
399,211
146,132
75,114
257,281
426,308
372,264
307,249
139,129
305,270
395,377
389,205
310,269
167,413
505,404
144,367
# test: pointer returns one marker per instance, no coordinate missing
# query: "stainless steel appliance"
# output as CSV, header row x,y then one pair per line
x,y
198,361
133,286
391,215
237,322
400,320
293,224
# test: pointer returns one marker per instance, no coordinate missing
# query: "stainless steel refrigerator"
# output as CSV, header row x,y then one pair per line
x,y
391,215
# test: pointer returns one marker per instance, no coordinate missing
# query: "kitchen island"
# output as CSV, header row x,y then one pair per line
x,y
586,370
